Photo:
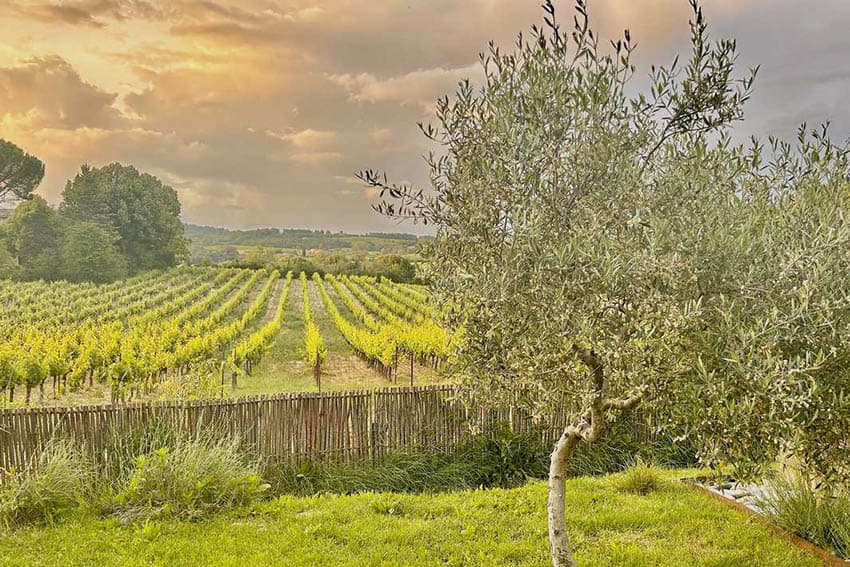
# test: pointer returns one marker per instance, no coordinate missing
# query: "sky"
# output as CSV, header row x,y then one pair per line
x,y
260,112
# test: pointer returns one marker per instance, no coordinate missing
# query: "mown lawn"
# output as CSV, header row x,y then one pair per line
x,y
675,526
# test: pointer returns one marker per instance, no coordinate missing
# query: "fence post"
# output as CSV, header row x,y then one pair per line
x,y
317,372
221,392
373,438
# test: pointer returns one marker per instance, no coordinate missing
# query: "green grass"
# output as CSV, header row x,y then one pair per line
x,y
675,525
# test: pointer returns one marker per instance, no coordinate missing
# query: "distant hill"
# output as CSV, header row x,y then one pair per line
x,y
221,244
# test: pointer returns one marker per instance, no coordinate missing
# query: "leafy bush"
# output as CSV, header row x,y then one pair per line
x,y
508,459
57,483
188,479
822,518
641,478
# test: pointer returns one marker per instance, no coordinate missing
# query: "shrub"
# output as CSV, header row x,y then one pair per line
x,y
797,505
506,459
188,479
619,449
57,483
641,478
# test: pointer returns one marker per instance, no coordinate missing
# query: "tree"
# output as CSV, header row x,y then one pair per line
x,y
34,232
603,251
259,257
8,265
20,173
89,254
396,268
137,206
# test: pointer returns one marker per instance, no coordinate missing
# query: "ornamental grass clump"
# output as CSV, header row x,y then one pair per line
x,y
188,479
817,515
59,480
642,478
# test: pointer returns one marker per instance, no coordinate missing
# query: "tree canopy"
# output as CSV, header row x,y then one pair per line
x,y
144,213
113,220
34,232
89,254
20,172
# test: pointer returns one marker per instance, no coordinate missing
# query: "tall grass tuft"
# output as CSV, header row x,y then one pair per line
x,y
641,478
794,503
400,472
188,479
57,483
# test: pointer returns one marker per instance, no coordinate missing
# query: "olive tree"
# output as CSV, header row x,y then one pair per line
x,y
772,374
597,243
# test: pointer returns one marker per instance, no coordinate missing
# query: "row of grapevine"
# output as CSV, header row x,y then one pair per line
x,y
31,353
46,311
376,346
206,345
251,350
397,309
134,335
356,309
26,301
315,350
426,340
409,301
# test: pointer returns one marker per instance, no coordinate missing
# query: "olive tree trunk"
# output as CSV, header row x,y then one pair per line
x,y
562,555
590,428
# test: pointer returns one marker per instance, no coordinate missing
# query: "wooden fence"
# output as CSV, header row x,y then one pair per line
x,y
345,426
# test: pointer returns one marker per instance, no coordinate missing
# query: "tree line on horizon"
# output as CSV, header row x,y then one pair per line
x,y
113,221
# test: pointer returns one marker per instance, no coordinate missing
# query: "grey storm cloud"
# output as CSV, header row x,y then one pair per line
x,y
259,112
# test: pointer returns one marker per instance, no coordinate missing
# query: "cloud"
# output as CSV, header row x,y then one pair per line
x,y
65,14
86,13
381,136
421,87
315,157
46,91
309,139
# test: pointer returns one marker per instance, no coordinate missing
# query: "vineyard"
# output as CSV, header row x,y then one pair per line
x,y
198,332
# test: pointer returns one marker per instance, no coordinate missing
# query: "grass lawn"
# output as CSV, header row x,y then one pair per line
x,y
674,526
